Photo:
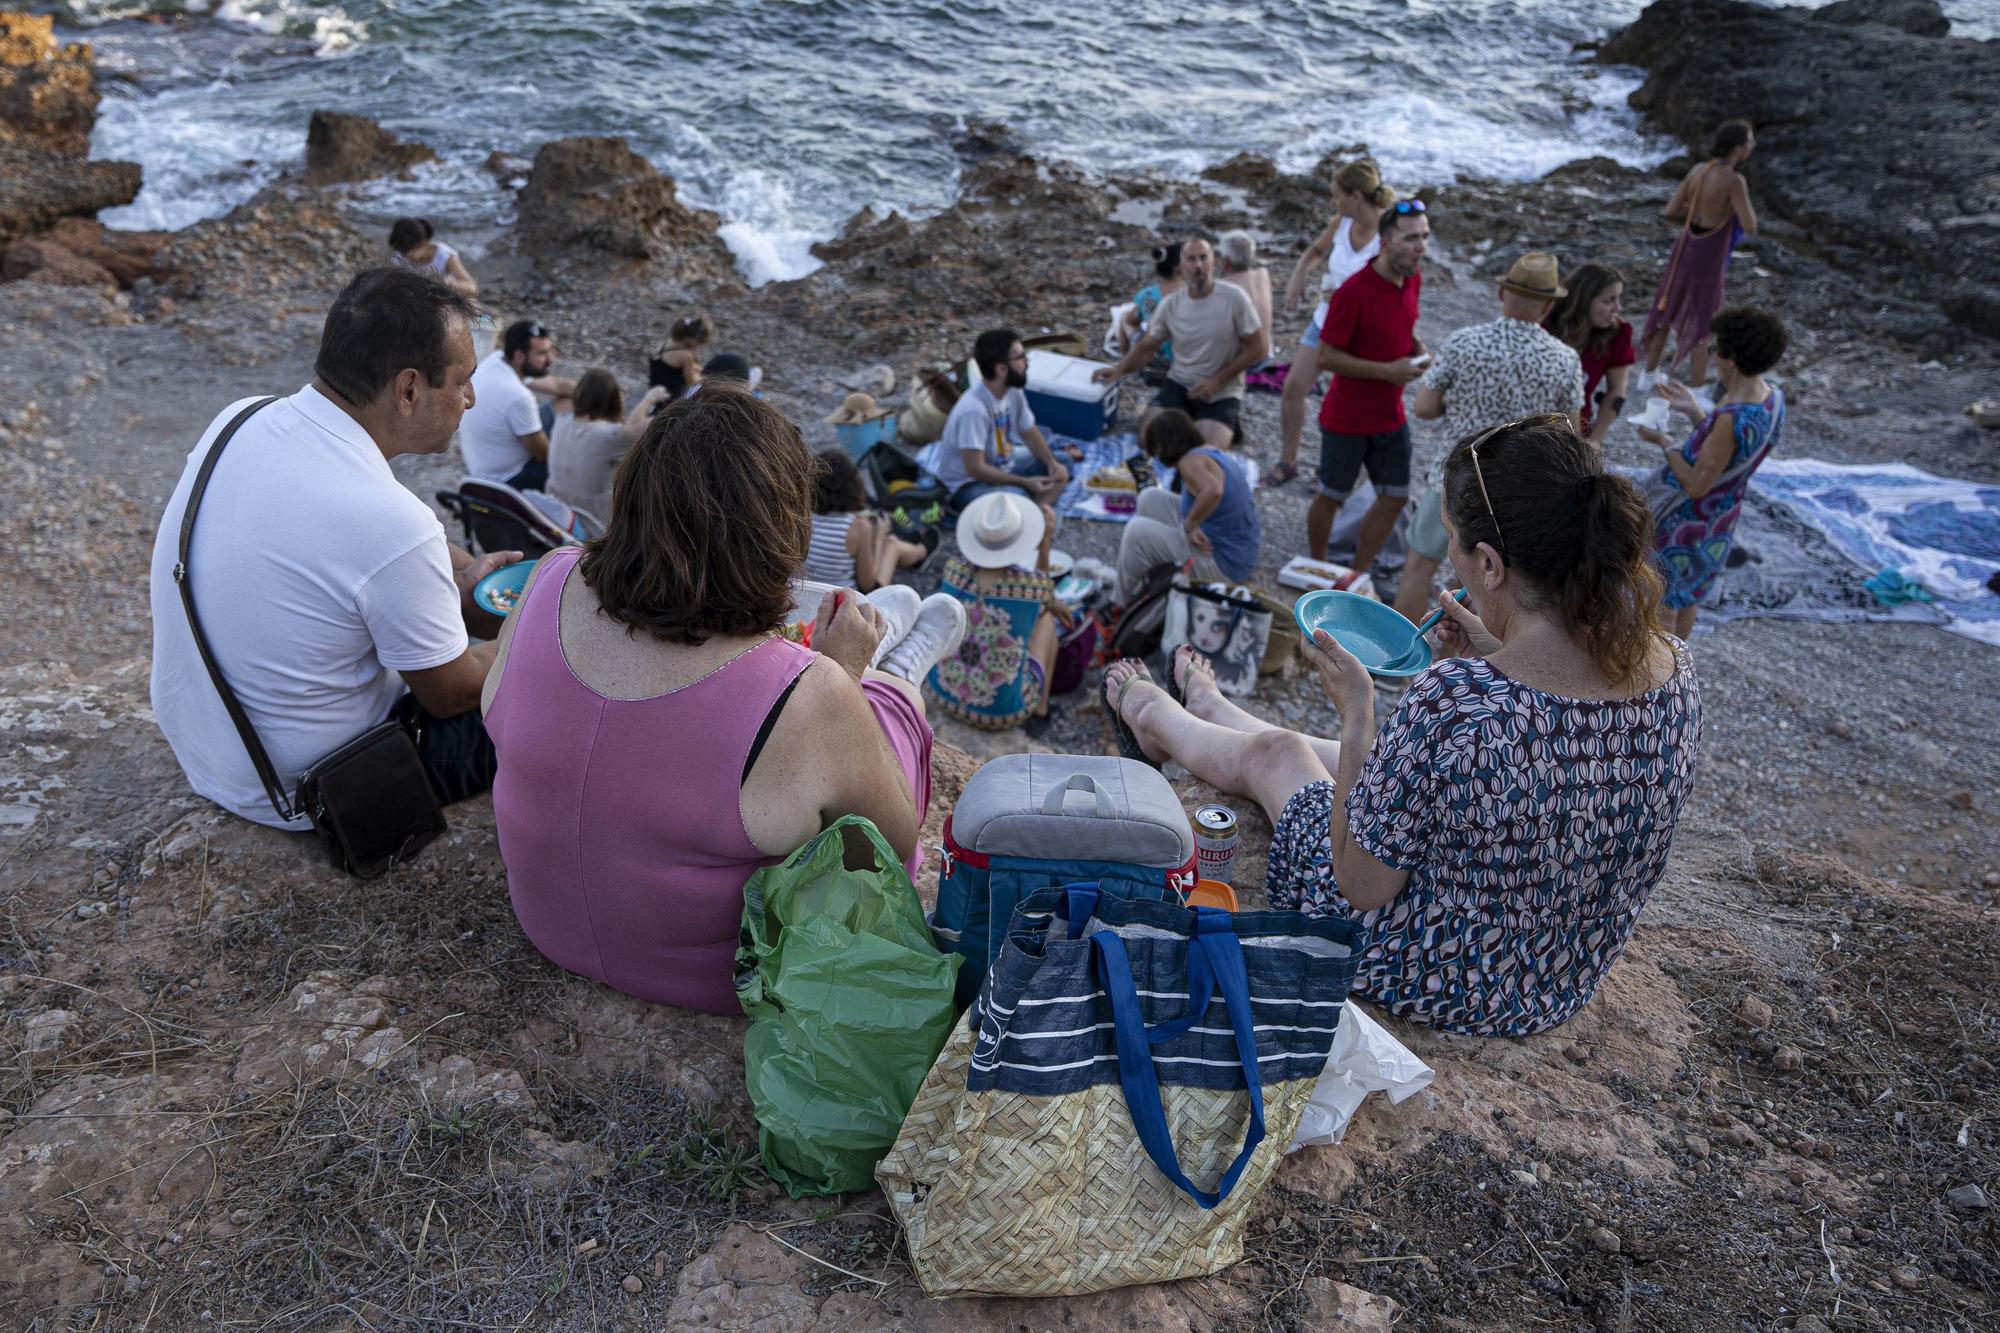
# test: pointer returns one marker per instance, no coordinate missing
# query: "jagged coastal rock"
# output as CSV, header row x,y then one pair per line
x,y
1876,130
48,103
592,192
342,147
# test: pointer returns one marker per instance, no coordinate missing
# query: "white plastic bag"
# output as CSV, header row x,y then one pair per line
x,y
1365,1059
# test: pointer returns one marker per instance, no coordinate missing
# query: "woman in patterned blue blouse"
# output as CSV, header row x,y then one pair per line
x,y
1502,831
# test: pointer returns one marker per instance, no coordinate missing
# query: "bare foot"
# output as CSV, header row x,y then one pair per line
x,y
1129,689
1187,667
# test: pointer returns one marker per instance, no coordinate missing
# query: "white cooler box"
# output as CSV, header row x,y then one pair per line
x,y
1064,400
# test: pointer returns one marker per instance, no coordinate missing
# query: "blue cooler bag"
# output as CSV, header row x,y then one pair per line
x,y
1119,1095
1033,821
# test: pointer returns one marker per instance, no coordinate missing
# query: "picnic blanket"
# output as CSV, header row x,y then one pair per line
x,y
1815,533
1077,501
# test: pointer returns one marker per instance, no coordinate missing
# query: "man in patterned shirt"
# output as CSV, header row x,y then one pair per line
x,y
1488,375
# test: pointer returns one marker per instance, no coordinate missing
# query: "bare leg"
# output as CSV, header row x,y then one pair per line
x,y
1042,644
1319,524
1683,622
1413,596
1376,525
1210,704
1656,347
1215,435
1292,405
1269,767
1698,366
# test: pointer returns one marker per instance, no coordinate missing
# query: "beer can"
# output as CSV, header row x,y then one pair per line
x,y
1215,843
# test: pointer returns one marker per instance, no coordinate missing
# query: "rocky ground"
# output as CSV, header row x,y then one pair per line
x,y
241,1089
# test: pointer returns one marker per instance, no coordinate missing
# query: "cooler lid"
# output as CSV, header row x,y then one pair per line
x,y
1067,807
1068,377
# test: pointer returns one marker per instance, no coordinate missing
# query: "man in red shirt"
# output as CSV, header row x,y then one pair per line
x,y
1369,342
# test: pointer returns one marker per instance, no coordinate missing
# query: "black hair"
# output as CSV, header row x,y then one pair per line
x,y
406,234
1393,215
1581,537
1170,436
519,334
1749,335
726,366
1730,135
387,320
991,349
837,487
1167,259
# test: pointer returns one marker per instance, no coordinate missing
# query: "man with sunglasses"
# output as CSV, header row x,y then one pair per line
x,y
504,436
1369,342
1485,375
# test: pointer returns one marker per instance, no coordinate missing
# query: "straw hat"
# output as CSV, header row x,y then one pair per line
x,y
1000,529
855,408
1535,275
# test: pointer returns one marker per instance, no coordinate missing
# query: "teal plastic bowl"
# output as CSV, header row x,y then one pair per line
x,y
1376,633
507,581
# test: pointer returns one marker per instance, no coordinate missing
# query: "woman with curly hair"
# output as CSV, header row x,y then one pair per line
x,y
1697,495
1501,833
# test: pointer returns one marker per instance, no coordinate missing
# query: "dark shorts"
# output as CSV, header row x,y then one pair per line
x,y
1386,456
1228,411
533,476
457,753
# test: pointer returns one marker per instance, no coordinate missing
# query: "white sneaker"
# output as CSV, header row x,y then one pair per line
x,y
940,628
899,606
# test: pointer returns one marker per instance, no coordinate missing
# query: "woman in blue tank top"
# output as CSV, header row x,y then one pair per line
x,y
1218,510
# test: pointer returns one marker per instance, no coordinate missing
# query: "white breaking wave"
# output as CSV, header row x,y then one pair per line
x,y
331,33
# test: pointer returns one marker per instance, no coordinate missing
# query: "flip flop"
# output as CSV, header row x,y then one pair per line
x,y
1281,473
1177,679
1128,743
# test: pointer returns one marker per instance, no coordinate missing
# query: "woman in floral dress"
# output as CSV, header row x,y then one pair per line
x,y
1501,833
999,677
1697,495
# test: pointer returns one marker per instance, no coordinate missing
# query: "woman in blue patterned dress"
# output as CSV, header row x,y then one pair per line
x,y
1697,495
1501,833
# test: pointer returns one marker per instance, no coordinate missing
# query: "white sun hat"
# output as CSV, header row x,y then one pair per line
x,y
1000,529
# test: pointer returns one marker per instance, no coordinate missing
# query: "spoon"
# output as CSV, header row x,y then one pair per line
x,y
1405,658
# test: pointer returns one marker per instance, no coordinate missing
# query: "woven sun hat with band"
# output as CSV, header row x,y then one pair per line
x,y
1537,275
855,408
1000,529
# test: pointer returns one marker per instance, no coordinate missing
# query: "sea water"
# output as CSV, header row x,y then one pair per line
x,y
787,117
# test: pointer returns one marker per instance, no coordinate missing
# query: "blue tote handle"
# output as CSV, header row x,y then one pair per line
x,y
1080,904
1223,958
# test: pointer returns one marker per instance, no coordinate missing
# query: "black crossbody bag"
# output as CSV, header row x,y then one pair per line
x,y
369,800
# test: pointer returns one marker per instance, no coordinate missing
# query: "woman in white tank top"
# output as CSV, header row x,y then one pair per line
x,y
1359,197
414,244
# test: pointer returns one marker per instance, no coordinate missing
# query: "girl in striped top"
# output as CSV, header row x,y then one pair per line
x,y
852,548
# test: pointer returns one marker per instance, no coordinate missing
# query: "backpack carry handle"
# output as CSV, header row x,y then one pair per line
x,y
1056,802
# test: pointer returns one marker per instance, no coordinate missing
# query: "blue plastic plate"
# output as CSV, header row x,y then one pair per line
x,y
500,591
1376,633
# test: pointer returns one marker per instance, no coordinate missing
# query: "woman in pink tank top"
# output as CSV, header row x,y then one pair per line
x,y
658,739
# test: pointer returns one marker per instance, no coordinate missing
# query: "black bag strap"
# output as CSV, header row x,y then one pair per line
x,y
258,758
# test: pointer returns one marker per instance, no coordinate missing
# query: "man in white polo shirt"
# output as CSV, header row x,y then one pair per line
x,y
325,587
503,436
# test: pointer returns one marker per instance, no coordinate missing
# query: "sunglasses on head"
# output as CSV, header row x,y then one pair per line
x,y
1407,206
537,331
1479,473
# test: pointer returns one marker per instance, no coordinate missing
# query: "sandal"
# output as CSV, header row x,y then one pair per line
x,y
1282,473
1184,660
1128,743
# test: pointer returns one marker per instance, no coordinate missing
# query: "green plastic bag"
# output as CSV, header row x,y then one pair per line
x,y
849,1003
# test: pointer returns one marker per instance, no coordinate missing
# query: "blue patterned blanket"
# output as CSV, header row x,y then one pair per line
x,y
1942,533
